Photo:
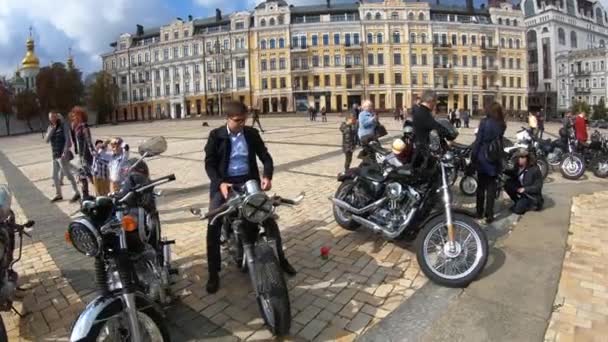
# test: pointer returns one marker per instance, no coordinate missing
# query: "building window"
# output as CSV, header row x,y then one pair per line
x,y
413,38
175,35
518,63
368,16
273,64
263,22
413,60
473,40
303,42
281,43
357,59
264,66
264,83
454,40
378,16
396,38
272,44
166,36
464,39
356,38
398,80
517,43
338,80
475,80
465,61
370,59
573,42
315,61
465,80
414,79
316,81
380,59
503,63
240,82
347,39
423,38
273,83
239,25
519,82
295,42
370,38
421,16
349,60
510,63
511,82
325,39
474,61
177,89
315,40
337,60
379,38
397,59
175,52
370,78
510,43
561,36
394,16
336,39
282,65
185,50
380,78
326,81
326,61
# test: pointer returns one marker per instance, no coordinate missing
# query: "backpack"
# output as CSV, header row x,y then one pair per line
x,y
494,149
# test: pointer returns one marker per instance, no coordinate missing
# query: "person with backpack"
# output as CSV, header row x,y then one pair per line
x,y
487,157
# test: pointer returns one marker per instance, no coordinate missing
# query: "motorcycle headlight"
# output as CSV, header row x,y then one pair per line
x,y
257,208
84,237
394,191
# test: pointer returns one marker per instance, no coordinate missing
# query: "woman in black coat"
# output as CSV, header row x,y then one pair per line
x,y
491,129
525,184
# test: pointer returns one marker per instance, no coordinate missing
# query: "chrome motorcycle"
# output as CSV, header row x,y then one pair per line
x,y
9,230
132,261
526,140
451,249
244,215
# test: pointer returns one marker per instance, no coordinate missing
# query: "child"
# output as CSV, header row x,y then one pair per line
x,y
349,139
101,160
120,157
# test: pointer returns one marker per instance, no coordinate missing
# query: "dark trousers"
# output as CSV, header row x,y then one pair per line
x,y
466,123
348,159
324,117
521,203
214,233
257,120
486,194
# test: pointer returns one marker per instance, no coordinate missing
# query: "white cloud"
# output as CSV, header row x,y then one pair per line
x,y
88,26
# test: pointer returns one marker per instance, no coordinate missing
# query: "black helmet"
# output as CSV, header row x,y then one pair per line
x,y
448,132
137,175
563,132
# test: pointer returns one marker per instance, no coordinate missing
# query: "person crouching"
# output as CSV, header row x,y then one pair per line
x,y
525,184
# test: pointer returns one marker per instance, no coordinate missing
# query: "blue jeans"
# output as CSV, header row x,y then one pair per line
x,y
63,167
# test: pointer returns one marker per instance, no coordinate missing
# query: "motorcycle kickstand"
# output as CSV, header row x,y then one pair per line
x,y
17,312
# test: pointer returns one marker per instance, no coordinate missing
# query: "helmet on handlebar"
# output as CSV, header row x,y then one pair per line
x,y
448,132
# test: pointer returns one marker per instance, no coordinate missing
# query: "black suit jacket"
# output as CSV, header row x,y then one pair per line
x,y
532,181
217,155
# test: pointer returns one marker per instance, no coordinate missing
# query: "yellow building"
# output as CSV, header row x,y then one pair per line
x,y
282,58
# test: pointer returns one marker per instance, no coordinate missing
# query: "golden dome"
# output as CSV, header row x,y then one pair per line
x,y
30,60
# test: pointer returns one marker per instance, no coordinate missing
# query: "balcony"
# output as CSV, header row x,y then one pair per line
x,y
489,68
489,48
441,46
443,67
353,67
582,73
581,90
352,46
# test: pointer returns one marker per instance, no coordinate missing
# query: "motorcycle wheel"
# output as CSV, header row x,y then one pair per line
x,y
153,329
543,165
3,335
452,268
273,296
345,193
573,167
601,169
468,185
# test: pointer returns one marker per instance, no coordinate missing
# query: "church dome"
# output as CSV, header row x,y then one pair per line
x,y
30,60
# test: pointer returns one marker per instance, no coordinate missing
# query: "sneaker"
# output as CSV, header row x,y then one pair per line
x,y
57,199
75,199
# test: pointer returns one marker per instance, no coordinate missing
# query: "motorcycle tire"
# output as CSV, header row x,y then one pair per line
x,y
273,295
600,169
339,214
572,172
438,225
468,185
543,165
3,335
149,313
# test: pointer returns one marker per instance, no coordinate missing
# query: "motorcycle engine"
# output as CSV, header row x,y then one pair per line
x,y
149,274
401,199
555,156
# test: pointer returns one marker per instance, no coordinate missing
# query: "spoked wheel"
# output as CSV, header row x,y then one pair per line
x,y
601,169
452,264
573,167
345,193
468,185
273,296
543,165
117,329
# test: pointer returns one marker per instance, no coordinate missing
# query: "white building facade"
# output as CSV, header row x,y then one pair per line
x,y
555,27
581,77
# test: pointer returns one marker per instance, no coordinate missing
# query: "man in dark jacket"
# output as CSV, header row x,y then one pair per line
x,y
423,123
230,159
58,135
525,184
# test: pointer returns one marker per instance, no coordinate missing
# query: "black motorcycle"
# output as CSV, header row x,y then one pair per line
x,y
397,202
132,262
527,140
9,230
597,154
244,217
464,169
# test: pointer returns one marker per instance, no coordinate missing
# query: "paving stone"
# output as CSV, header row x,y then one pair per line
x,y
359,322
312,329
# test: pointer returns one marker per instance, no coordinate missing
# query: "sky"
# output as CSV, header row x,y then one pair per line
x,y
88,26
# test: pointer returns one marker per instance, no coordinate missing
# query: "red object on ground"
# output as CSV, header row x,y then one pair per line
x,y
580,128
324,252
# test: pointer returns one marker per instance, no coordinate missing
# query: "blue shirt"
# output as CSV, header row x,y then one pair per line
x,y
367,124
239,155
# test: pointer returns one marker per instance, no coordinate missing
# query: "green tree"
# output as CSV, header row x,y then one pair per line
x,y
581,106
599,110
103,96
6,106
27,107
59,88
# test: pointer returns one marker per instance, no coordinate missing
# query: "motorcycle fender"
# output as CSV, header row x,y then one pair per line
x,y
441,212
349,174
103,308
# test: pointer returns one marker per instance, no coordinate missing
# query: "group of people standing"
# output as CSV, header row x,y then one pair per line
x,y
459,117
312,114
99,164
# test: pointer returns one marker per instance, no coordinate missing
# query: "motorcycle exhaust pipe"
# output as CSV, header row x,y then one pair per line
x,y
343,205
167,255
368,224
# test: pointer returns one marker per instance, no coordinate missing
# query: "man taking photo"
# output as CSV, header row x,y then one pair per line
x,y
230,160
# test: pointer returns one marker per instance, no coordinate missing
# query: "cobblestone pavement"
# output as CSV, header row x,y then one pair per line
x,y
363,280
581,304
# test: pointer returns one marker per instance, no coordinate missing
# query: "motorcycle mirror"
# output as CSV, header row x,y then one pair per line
x,y
29,224
153,146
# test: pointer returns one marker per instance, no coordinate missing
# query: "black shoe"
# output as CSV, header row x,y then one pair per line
x,y
75,199
287,268
57,199
213,284
489,220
